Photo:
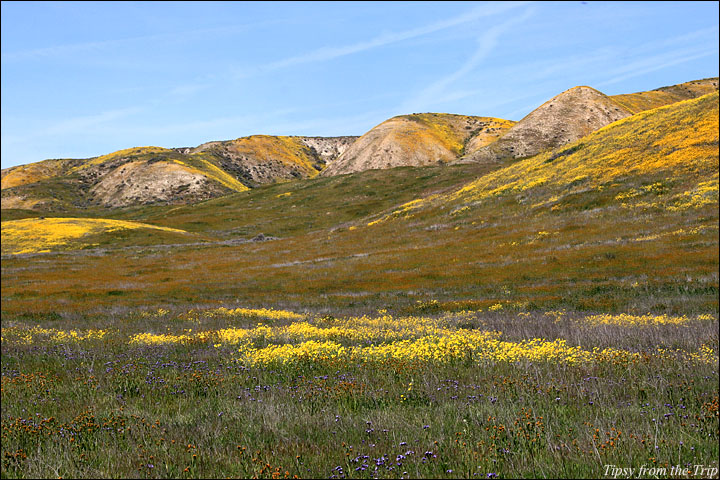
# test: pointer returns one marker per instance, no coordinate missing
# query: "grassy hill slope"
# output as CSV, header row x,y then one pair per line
x,y
675,147
40,235
35,172
641,101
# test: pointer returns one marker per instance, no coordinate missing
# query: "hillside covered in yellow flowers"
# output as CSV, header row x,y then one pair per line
x,y
677,145
624,218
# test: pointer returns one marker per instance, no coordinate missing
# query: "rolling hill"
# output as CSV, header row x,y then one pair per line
x,y
640,101
664,159
622,219
417,140
138,175
577,112
563,119
156,175
261,159
432,138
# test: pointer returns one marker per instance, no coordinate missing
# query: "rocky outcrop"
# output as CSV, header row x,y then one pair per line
x,y
328,149
137,182
262,159
146,175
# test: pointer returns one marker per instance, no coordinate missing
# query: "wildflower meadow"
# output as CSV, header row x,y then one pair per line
x,y
265,393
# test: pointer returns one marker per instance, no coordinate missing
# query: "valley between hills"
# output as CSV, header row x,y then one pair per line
x,y
444,296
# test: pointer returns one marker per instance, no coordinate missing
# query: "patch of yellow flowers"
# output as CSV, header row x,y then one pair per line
x,y
365,329
31,235
169,338
27,336
383,339
463,345
627,320
254,312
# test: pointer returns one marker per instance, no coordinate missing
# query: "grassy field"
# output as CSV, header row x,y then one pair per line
x,y
274,394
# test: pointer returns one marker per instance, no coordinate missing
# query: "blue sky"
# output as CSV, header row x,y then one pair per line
x,y
84,79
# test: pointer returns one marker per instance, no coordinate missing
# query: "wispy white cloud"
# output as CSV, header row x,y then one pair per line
x,y
433,94
659,61
697,37
330,53
81,47
74,125
80,123
72,48
188,89
602,63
